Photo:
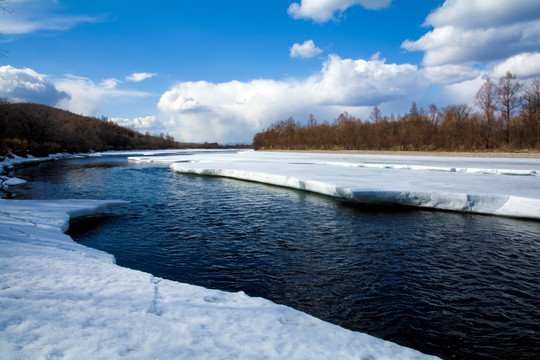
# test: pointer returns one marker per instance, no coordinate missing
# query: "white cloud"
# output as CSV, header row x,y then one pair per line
x,y
375,56
147,123
136,77
479,31
306,50
86,97
234,111
324,10
483,13
24,17
450,74
28,85
523,65
110,83
462,92
74,93
364,83
16,26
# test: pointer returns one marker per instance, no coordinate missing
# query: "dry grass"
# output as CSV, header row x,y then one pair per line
x,y
484,154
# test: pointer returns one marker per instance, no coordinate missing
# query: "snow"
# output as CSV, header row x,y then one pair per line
x,y
59,299
12,181
145,152
495,186
10,162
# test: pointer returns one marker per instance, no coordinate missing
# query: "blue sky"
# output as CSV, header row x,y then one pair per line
x,y
212,70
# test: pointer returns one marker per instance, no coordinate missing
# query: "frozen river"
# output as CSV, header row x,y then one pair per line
x,y
452,284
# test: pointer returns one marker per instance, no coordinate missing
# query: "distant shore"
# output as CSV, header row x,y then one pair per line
x,y
484,154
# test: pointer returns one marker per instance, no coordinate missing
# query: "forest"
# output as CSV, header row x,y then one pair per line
x,y
506,117
40,130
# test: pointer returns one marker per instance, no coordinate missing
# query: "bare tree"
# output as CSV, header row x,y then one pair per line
x,y
486,100
455,118
531,112
414,109
434,115
375,114
509,99
312,121
3,122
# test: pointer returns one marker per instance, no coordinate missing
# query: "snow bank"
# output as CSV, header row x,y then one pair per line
x,y
141,152
12,181
505,187
6,182
10,162
59,299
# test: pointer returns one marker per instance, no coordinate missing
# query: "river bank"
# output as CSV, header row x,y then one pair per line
x,y
480,154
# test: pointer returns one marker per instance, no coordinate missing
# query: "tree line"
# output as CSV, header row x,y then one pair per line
x,y
27,128
506,117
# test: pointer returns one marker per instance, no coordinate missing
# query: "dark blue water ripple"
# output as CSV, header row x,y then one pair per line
x,y
455,285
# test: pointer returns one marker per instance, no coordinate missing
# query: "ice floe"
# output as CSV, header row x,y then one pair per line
x,y
506,187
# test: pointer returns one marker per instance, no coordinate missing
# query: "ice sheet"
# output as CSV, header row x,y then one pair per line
x,y
59,299
496,186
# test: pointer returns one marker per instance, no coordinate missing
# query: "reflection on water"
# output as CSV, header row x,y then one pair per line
x,y
454,285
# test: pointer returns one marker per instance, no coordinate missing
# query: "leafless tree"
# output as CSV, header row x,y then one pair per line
x,y
375,114
509,99
486,100
3,122
455,118
531,112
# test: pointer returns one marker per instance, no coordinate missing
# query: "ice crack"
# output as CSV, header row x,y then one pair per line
x,y
154,306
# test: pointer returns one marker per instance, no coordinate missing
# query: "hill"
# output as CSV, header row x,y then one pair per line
x,y
27,128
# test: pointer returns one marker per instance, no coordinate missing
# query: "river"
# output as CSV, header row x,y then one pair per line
x,y
454,285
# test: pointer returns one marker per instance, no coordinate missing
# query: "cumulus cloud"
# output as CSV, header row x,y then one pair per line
x,y
451,74
462,92
74,93
324,10
479,31
136,77
147,123
233,111
86,97
306,50
522,65
483,13
28,16
28,85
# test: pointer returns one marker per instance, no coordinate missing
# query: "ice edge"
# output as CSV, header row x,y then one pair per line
x,y
500,205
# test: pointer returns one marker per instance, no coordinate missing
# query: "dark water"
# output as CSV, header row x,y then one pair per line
x,y
454,285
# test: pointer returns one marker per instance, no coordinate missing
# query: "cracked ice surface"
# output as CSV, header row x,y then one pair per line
x,y
59,299
506,187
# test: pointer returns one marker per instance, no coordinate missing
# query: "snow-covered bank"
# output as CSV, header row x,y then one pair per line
x,y
59,299
10,162
505,187
6,182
